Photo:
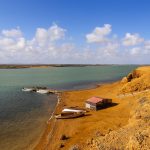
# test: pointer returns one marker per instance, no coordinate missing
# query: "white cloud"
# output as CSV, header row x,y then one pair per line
x,y
10,44
43,45
147,45
15,33
45,36
56,33
132,39
41,36
135,51
99,34
52,46
4,42
113,49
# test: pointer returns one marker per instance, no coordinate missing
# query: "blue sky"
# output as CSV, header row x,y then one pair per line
x,y
77,19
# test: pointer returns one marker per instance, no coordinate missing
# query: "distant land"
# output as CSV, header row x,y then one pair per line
x,y
18,66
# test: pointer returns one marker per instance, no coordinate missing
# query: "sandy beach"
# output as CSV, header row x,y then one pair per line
x,y
80,130
74,75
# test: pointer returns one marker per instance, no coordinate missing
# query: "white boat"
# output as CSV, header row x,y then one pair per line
x,y
69,115
27,89
42,91
74,110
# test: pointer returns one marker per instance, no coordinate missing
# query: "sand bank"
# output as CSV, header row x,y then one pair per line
x,y
80,130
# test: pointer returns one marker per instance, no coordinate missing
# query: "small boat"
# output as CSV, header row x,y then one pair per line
x,y
69,115
27,89
43,91
72,109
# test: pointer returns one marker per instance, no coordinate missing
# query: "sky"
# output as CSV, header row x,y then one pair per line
x,y
74,31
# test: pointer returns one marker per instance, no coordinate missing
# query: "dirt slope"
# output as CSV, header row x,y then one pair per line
x,y
136,134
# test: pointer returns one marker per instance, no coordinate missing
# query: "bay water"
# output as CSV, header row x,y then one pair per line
x,y
23,115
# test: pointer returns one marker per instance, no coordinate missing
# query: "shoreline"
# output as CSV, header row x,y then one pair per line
x,y
47,136
82,130
50,125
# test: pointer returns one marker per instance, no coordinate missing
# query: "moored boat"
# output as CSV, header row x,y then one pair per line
x,y
27,89
43,91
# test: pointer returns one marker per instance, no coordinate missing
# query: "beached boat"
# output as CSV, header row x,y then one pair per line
x,y
69,115
74,109
43,91
27,89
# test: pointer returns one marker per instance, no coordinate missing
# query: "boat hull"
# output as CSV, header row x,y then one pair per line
x,y
27,90
42,91
69,116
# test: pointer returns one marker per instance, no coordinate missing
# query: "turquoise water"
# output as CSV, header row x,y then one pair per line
x,y
23,115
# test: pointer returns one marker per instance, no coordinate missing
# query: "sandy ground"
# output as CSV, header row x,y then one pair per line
x,y
101,122
79,130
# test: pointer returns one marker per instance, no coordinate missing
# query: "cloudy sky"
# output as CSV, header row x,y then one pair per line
x,y
75,31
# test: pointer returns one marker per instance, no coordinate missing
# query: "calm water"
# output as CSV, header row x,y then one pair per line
x,y
23,115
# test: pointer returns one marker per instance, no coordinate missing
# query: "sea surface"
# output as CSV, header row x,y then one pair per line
x,y
23,115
